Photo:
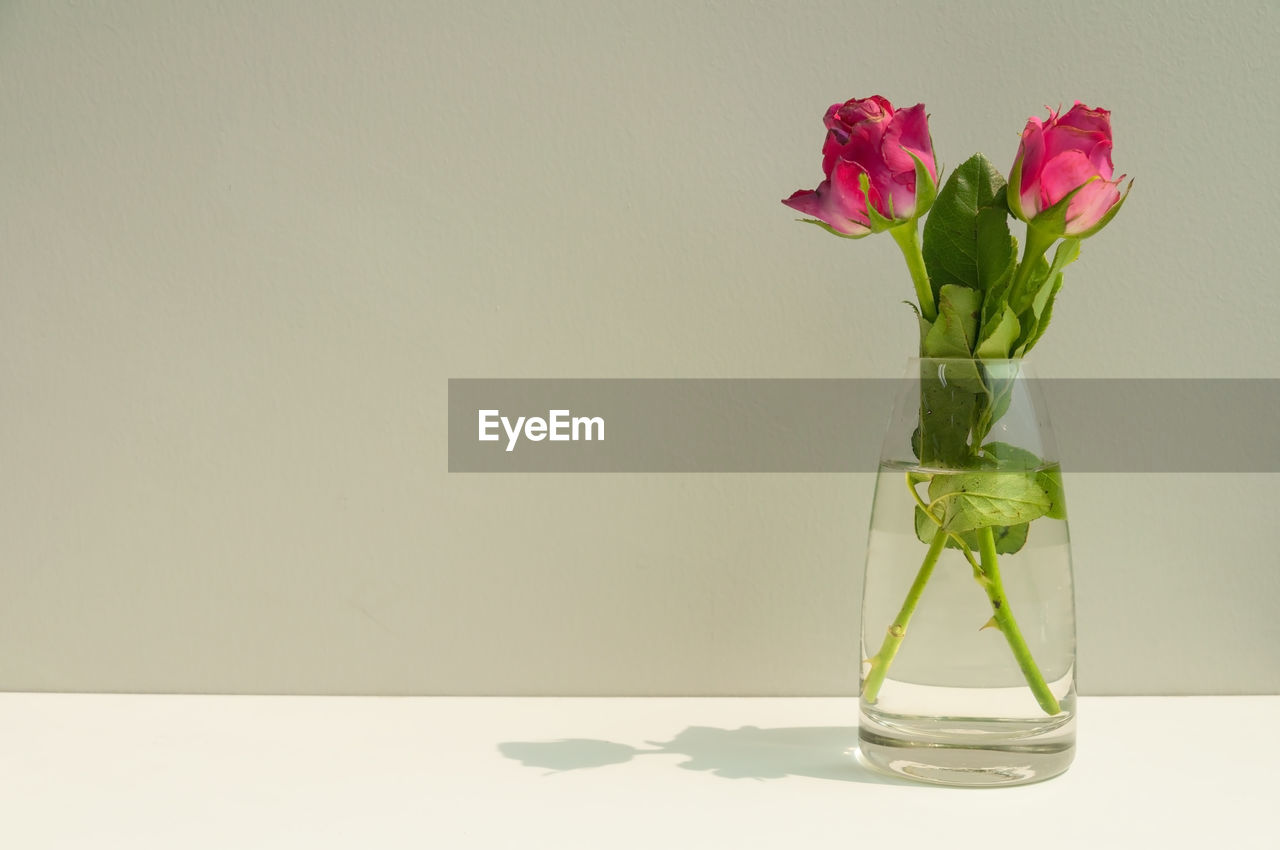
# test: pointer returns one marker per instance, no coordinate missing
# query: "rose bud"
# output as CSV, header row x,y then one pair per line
x,y
878,168
1061,180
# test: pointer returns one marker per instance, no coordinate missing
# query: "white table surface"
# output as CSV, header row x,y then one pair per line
x,y
103,771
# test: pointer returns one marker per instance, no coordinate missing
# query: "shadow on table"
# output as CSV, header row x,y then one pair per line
x,y
820,752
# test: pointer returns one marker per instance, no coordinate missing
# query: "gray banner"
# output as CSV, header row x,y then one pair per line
x,y
838,425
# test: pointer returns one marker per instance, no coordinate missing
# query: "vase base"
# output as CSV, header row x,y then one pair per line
x,y
964,764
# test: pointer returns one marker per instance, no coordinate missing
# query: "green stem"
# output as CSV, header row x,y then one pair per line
x,y
898,629
1038,242
908,238
992,584
956,538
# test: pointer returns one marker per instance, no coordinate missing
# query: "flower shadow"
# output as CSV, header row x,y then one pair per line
x,y
749,752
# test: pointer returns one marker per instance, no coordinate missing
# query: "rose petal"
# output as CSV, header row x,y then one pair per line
x,y
831,150
1100,157
807,202
1090,204
1062,174
832,122
908,133
1082,118
874,109
867,117
833,205
1031,160
866,136
1059,140
863,156
846,191
862,144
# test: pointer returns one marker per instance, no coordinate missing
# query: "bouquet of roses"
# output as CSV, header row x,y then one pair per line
x,y
977,301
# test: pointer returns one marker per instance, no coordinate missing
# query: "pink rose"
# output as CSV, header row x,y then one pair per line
x,y
868,137
1067,154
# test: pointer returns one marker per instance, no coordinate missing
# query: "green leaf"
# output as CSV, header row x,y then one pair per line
x,y
1048,476
997,251
949,397
999,338
926,189
1050,479
879,224
963,245
964,501
1041,309
1009,538
1013,190
955,331
998,386
925,528
1022,300
925,324
1037,325
997,294
1010,457
1068,251
1053,220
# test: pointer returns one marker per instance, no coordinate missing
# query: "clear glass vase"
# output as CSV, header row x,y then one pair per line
x,y
968,614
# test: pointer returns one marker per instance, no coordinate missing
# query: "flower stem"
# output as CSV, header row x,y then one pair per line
x,y
1005,621
1038,242
898,629
908,238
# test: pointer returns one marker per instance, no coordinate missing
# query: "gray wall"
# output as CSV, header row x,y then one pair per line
x,y
244,246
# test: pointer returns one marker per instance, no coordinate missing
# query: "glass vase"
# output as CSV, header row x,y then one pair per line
x,y
968,614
